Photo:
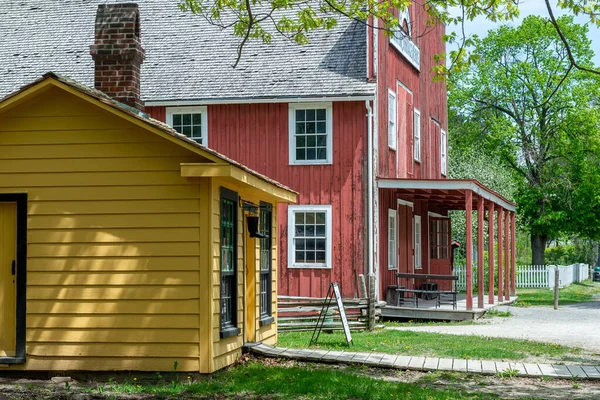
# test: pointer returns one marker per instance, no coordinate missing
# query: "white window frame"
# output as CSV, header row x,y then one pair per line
x,y
392,120
444,153
292,210
417,241
417,135
392,243
292,132
203,110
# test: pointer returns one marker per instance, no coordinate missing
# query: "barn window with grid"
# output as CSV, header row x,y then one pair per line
x,y
189,121
266,264
309,236
310,134
229,201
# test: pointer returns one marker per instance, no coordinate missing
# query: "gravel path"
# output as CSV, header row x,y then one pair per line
x,y
573,325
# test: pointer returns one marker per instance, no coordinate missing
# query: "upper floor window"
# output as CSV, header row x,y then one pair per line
x,y
309,236
401,40
392,242
444,153
392,115
311,133
417,135
189,121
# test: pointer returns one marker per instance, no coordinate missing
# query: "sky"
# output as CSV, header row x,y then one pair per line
x,y
480,26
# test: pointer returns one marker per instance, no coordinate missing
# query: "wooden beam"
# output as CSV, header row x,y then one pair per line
x,y
491,281
506,256
500,282
480,261
469,244
514,254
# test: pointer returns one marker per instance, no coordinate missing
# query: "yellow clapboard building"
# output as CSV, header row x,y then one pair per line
x,y
124,245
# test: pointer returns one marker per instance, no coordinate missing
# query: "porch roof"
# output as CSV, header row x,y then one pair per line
x,y
449,194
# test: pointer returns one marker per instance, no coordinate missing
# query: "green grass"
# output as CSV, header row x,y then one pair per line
x,y
575,293
431,344
255,380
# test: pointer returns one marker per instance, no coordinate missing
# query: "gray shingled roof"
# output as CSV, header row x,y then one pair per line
x,y
186,59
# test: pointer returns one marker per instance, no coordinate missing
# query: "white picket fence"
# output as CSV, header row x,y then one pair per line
x,y
534,276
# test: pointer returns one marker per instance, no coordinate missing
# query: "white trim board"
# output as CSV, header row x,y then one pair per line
x,y
202,102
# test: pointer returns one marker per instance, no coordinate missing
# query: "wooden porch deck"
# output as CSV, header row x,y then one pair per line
x,y
427,310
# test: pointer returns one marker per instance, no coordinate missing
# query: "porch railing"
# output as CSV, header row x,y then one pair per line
x,y
533,276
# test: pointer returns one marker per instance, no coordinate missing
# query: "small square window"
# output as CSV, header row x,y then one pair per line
x,y
310,133
309,237
189,121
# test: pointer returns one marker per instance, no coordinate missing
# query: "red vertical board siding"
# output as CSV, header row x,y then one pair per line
x,y
428,97
158,113
256,135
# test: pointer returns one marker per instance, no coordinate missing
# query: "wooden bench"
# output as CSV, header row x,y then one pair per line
x,y
429,289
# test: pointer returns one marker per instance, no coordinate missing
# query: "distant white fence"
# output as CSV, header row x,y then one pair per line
x,y
534,276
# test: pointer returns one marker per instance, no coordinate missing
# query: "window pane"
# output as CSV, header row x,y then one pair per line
x,y
311,127
176,119
197,119
320,232
299,230
311,154
301,141
310,244
300,244
311,141
299,218
310,230
310,217
320,244
300,115
321,127
321,114
310,256
320,257
320,218
310,115
187,131
197,131
300,154
300,256
322,140
300,128
321,154
187,119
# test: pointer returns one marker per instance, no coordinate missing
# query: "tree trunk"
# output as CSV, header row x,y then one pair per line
x,y
538,245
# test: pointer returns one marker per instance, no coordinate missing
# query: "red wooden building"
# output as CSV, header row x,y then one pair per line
x,y
353,122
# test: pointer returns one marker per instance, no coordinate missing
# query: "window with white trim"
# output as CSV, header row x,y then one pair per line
x,y
444,153
309,236
392,116
189,121
392,240
417,135
311,132
417,241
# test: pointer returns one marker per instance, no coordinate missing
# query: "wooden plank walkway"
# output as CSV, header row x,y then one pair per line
x,y
418,363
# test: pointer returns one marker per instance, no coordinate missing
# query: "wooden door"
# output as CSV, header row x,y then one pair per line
x,y
439,249
8,256
250,289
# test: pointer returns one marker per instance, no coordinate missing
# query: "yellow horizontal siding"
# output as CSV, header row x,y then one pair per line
x,y
87,193
170,350
70,165
139,264
107,363
114,221
112,293
141,322
112,278
63,179
80,136
113,249
115,335
89,151
113,307
115,235
78,207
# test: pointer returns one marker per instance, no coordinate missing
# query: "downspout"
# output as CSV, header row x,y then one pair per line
x,y
370,183
373,159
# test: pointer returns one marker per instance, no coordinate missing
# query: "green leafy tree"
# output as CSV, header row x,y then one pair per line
x,y
295,19
526,104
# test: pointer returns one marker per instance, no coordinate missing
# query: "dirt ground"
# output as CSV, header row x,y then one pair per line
x,y
506,388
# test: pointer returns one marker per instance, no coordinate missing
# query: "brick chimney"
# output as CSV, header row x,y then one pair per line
x,y
117,53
